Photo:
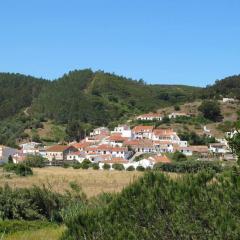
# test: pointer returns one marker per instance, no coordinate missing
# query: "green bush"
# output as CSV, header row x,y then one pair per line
x,y
95,166
77,165
19,169
140,168
35,161
23,170
188,167
196,206
130,168
66,165
106,166
179,157
118,166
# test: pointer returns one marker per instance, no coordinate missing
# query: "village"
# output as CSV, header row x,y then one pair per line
x,y
142,146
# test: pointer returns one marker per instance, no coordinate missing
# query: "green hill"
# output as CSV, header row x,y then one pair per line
x,y
227,87
88,97
17,91
100,98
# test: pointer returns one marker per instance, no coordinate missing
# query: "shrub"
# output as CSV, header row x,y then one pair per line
x,y
211,110
130,168
118,166
76,165
23,170
140,168
106,166
188,167
85,165
19,169
35,161
159,207
95,166
179,157
66,165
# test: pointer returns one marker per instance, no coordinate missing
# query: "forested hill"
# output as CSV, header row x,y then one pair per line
x,y
99,98
17,91
227,87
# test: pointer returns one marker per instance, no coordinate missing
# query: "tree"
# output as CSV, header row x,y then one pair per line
x,y
234,142
10,159
75,131
211,110
179,157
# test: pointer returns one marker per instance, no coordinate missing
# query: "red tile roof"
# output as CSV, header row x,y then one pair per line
x,y
160,159
141,128
59,148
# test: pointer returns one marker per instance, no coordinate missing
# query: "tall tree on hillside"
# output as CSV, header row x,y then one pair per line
x,y
75,131
211,110
234,142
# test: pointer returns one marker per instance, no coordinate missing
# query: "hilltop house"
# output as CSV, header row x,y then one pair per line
x,y
150,117
177,114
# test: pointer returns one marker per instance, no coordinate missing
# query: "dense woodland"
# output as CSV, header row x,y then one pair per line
x,y
87,99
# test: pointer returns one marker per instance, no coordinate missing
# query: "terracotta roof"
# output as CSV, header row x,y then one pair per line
x,y
81,145
160,159
163,132
59,148
199,148
117,137
139,143
116,160
141,128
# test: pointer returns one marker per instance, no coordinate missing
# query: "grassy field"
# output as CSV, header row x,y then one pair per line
x,y
92,182
48,233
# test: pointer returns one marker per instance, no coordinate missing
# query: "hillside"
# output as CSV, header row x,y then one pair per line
x,y
229,112
17,91
227,87
31,106
99,98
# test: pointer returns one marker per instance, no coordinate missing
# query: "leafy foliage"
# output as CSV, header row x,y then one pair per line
x,y
157,207
211,110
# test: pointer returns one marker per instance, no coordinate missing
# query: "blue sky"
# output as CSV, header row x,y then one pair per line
x,y
161,41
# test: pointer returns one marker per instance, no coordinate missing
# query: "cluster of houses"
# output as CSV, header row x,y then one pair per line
x,y
121,145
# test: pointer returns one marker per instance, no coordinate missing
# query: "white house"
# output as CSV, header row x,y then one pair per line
x,y
30,148
177,114
162,134
150,117
224,100
76,156
140,132
218,148
5,152
124,130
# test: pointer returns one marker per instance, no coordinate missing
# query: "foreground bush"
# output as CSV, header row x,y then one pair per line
x,y
188,166
157,207
19,169
36,202
118,166
106,166
35,161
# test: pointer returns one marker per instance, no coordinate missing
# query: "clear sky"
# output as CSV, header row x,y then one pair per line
x,y
161,41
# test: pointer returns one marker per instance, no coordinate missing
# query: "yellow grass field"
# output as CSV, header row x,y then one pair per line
x,y
92,182
48,233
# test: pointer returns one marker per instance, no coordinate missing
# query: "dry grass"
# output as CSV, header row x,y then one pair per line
x,y
92,182
48,233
